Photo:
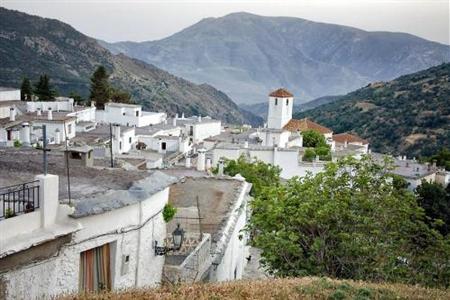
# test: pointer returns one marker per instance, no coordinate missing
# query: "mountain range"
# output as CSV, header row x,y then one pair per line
x,y
31,46
247,56
408,115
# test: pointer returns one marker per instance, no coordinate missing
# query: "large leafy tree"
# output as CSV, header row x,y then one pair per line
x,y
349,221
26,90
435,200
100,87
43,89
259,174
312,138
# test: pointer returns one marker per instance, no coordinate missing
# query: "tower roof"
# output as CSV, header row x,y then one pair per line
x,y
281,93
306,124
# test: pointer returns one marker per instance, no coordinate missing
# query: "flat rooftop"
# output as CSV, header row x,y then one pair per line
x,y
20,166
215,195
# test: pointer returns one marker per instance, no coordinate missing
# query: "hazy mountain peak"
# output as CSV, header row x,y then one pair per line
x,y
69,58
247,55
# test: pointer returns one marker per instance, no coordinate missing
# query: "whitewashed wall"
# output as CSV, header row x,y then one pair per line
x,y
64,105
61,273
129,116
9,95
204,130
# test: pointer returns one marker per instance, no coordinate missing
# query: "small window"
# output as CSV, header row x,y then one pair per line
x,y
163,146
120,145
123,114
69,129
287,102
129,139
75,155
276,101
137,113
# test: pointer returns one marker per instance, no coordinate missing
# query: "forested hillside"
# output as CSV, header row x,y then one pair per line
x,y
409,115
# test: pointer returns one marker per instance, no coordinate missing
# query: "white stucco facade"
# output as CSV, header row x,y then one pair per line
x,y
280,111
200,131
130,231
128,115
7,94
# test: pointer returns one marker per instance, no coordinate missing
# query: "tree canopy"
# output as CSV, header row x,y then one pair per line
x,y
26,90
435,200
102,92
43,89
100,88
259,174
313,139
349,221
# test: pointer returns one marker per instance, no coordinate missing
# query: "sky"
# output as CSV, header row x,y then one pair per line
x,y
142,20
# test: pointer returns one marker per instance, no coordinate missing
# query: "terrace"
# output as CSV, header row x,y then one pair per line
x,y
19,199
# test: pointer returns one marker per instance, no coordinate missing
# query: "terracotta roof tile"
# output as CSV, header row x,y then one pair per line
x,y
281,93
306,124
350,138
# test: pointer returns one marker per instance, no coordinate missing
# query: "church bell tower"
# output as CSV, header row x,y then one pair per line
x,y
281,103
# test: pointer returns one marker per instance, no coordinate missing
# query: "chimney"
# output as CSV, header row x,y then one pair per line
x,y
201,159
345,144
174,121
246,144
434,164
49,202
176,116
92,103
57,137
182,115
188,162
25,134
208,163
199,119
50,114
220,169
39,112
12,114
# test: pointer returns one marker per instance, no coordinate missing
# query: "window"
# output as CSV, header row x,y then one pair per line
x,y
120,145
137,113
191,130
95,269
163,146
287,102
69,129
123,114
129,139
75,155
276,101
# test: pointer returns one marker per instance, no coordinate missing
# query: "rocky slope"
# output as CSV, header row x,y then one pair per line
x,y
408,115
247,56
30,46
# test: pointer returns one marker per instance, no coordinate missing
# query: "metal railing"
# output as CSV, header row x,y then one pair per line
x,y
19,199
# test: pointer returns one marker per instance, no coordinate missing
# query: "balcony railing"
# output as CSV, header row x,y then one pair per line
x,y
19,199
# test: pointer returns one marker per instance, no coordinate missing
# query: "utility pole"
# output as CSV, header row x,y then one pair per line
x,y
44,148
110,145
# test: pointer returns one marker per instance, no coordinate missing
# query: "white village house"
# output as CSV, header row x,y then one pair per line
x,y
111,235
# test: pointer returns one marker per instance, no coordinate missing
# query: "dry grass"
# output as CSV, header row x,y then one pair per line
x,y
294,288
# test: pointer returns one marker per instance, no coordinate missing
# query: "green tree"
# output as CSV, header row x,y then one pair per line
x,y
313,139
435,200
442,158
120,96
76,97
26,90
348,222
43,89
258,173
100,88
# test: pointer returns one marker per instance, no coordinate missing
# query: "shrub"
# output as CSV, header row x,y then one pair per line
x,y
168,212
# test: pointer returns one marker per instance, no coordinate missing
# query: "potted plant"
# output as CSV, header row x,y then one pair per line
x,y
9,213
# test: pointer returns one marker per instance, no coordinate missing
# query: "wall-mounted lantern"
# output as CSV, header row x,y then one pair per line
x,y
178,239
